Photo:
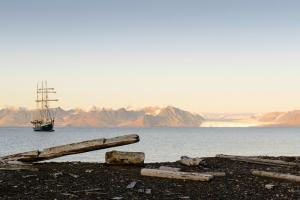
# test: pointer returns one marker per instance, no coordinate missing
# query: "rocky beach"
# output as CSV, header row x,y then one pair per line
x,y
76,180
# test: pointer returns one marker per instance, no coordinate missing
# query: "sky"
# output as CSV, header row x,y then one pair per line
x,y
202,56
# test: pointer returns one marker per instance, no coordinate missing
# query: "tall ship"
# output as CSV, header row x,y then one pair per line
x,y
44,116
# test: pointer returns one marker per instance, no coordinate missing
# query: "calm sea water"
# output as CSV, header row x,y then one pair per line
x,y
161,144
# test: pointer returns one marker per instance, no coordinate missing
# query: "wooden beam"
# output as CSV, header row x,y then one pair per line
x,y
176,175
215,174
257,160
287,177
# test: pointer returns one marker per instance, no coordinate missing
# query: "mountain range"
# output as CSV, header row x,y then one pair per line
x,y
281,119
150,117
147,117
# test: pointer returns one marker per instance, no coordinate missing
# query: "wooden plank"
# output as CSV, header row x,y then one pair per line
x,y
215,174
176,175
287,177
257,160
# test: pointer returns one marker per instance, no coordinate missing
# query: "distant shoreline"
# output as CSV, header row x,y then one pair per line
x,y
150,117
217,127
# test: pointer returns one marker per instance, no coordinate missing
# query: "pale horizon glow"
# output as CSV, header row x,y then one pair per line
x,y
201,56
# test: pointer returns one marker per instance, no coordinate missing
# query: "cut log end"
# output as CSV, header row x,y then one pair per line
x,y
124,158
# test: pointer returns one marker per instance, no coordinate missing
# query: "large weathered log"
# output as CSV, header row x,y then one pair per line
x,y
287,177
257,160
176,175
69,149
124,158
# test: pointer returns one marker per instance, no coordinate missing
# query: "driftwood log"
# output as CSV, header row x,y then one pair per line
x,y
70,149
176,175
124,158
287,177
257,160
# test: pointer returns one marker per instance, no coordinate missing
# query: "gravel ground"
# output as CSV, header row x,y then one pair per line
x,y
99,181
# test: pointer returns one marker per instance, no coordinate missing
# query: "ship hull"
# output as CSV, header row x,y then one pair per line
x,y
44,127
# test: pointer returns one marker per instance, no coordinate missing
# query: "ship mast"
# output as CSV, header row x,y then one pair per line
x,y
43,100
